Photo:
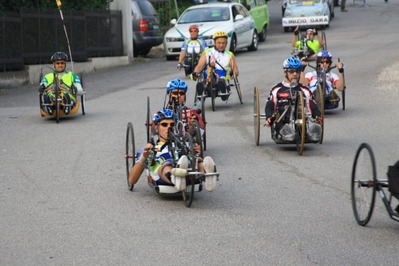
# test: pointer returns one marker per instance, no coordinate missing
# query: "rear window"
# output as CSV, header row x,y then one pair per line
x,y
146,8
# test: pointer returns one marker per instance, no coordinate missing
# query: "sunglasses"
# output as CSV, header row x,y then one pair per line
x,y
325,62
292,71
193,31
164,124
59,63
181,93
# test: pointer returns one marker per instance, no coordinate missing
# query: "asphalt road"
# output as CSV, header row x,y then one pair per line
x,y
63,193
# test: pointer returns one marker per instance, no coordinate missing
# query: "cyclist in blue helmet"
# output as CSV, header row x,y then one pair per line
x,y
278,99
333,81
176,90
162,170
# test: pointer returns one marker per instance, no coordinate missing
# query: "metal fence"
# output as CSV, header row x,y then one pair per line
x,y
31,37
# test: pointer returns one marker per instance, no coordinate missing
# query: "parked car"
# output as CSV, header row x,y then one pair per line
x,y
260,13
306,13
146,29
239,26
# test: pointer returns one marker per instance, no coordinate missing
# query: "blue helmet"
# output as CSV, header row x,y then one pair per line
x,y
324,54
176,84
163,114
292,62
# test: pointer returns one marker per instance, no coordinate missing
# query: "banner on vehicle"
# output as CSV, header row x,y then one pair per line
x,y
302,21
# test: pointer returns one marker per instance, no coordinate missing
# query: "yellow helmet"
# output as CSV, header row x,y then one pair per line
x,y
220,34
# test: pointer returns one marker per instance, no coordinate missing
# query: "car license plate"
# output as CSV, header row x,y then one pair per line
x,y
210,42
156,27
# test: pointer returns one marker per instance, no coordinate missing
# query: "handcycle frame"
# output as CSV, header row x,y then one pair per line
x,y
194,62
57,102
296,110
363,190
210,82
305,52
179,143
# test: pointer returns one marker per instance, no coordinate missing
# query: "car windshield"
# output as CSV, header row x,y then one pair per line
x,y
205,15
304,2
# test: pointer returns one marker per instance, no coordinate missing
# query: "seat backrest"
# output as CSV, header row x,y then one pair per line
x,y
393,179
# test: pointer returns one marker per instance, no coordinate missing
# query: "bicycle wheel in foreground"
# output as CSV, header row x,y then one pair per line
x,y
363,184
130,152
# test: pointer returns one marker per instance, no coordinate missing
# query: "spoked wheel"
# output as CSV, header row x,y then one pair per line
x,y
363,184
130,152
300,122
57,99
188,193
319,95
256,115
238,88
147,121
324,38
204,120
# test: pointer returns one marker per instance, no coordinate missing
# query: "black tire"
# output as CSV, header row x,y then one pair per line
x,y
188,193
171,57
363,184
263,34
238,88
254,44
130,152
343,98
197,138
286,29
324,38
82,97
193,60
300,122
319,97
204,120
57,99
233,44
256,115
147,121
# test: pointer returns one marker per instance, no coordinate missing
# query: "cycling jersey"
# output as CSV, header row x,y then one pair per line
x,y
331,80
67,79
198,45
222,59
312,44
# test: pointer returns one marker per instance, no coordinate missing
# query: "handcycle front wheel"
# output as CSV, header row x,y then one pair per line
x,y
256,115
300,122
363,184
130,152
188,192
319,97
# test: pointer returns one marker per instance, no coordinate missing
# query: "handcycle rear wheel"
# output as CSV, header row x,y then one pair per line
x,y
83,96
238,88
319,97
324,38
363,184
256,115
343,98
188,192
300,122
130,152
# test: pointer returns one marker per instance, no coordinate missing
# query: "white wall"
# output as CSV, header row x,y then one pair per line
x,y
127,28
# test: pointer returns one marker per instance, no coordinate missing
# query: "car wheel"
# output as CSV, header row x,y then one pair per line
x,y
254,44
233,45
142,52
332,11
286,29
263,34
170,57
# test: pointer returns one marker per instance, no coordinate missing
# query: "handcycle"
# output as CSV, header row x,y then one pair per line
x,y
304,51
327,103
365,185
211,80
184,114
179,143
294,113
192,60
57,102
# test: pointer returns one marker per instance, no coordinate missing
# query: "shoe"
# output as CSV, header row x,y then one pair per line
x,y
210,167
200,88
66,110
49,110
314,133
221,87
344,10
334,96
179,173
287,133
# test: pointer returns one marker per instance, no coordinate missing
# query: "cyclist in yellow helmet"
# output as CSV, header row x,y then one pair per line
x,y
224,62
